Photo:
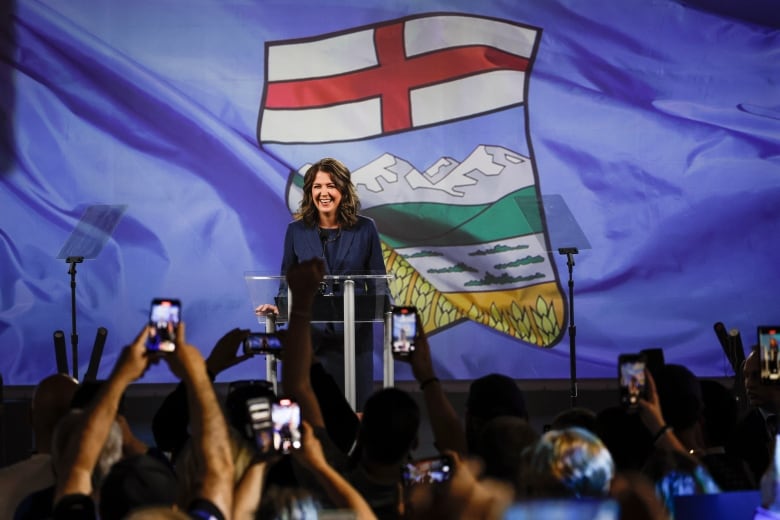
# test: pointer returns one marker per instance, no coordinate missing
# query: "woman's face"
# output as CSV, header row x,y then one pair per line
x,y
325,194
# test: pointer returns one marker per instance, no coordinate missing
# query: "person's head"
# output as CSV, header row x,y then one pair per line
x,y
280,502
720,412
239,392
50,403
759,394
491,396
134,482
581,417
65,439
566,463
626,437
500,445
679,393
328,188
389,427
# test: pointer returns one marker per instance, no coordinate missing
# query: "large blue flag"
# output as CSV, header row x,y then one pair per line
x,y
653,127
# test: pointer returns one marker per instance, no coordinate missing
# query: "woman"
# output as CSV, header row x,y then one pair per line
x,y
327,225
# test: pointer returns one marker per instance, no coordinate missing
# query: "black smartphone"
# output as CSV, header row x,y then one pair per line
x,y
654,358
262,343
259,425
631,379
768,338
404,327
164,316
430,470
286,417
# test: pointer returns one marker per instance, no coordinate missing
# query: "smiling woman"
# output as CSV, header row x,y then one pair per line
x,y
327,225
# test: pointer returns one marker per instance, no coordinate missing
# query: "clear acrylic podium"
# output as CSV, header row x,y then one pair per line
x,y
347,299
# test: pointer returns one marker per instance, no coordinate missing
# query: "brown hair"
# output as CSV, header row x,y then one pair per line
x,y
350,203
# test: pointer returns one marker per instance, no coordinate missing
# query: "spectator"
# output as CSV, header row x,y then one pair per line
x,y
50,402
491,396
214,493
626,437
501,444
717,423
754,435
566,463
303,280
579,417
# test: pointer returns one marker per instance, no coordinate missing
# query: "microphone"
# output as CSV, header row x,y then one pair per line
x,y
60,352
97,354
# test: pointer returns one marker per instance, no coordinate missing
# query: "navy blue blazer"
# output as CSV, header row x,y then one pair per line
x,y
358,249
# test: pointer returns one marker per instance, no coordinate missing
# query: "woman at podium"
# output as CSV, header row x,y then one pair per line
x,y
327,225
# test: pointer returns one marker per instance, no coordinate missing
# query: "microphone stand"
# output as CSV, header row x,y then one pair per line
x,y
570,252
74,337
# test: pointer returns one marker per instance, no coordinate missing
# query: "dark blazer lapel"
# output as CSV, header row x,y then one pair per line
x,y
342,250
313,243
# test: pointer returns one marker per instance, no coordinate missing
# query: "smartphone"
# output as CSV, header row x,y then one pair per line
x,y
164,316
286,418
654,359
430,470
768,338
262,343
259,425
404,327
631,379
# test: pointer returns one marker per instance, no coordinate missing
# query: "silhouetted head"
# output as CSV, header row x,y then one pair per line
x,y
389,427
500,446
50,403
680,397
134,482
490,396
579,417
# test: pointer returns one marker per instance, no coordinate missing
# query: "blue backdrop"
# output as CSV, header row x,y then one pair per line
x,y
658,125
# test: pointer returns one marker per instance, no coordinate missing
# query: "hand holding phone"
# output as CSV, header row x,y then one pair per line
x,y
404,330
164,318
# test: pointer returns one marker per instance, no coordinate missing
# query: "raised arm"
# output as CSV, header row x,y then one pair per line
x,y
448,431
304,280
209,430
339,491
83,451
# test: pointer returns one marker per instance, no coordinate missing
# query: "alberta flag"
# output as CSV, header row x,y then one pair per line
x,y
454,234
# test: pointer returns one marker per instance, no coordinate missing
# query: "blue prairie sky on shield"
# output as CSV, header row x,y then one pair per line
x,y
430,114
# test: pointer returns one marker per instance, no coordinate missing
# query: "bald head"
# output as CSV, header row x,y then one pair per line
x,y
50,402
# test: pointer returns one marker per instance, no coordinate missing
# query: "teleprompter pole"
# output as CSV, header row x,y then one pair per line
x,y
74,337
570,252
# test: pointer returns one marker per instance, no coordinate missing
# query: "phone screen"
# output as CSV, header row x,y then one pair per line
x,y
768,338
430,470
262,343
631,378
286,417
164,316
260,426
404,326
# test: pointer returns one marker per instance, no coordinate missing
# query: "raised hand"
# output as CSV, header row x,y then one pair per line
x,y
225,352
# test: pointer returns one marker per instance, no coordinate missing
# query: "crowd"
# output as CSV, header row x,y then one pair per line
x,y
206,462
